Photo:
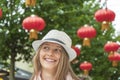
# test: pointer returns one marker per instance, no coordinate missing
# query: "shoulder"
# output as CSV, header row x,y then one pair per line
x,y
69,77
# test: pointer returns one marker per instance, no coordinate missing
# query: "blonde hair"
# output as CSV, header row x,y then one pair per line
x,y
64,67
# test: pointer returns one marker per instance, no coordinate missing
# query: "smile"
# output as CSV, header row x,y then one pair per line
x,y
49,60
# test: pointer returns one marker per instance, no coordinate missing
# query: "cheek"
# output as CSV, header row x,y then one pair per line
x,y
41,55
58,56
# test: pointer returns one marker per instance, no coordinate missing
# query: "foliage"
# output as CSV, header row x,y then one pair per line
x,y
66,15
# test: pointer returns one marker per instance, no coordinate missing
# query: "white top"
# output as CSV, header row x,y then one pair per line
x,y
68,77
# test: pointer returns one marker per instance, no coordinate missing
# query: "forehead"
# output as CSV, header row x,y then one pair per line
x,y
52,44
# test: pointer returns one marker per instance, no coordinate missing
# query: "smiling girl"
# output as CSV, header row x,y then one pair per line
x,y
53,57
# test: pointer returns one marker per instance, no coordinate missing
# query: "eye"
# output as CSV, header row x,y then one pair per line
x,y
45,48
58,50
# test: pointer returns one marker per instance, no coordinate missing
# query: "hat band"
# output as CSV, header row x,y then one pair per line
x,y
52,39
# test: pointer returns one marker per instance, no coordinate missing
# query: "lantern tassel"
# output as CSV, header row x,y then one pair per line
x,y
105,25
33,34
75,61
111,53
33,2
86,42
27,2
86,72
114,63
30,2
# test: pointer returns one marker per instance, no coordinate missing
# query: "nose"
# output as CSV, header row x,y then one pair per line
x,y
50,53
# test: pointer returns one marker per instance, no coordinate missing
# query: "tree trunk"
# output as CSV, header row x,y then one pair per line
x,y
12,67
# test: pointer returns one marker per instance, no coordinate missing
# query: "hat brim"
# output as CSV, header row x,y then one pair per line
x,y
72,54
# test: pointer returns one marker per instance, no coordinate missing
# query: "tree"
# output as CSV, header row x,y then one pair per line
x,y
102,69
66,15
14,39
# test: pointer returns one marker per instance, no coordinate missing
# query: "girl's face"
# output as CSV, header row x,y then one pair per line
x,y
50,54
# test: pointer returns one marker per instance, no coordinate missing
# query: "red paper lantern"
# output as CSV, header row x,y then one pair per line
x,y
0,13
86,32
77,50
118,49
114,58
105,16
111,47
33,24
86,67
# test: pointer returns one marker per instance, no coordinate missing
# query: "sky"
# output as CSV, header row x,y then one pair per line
x,y
114,5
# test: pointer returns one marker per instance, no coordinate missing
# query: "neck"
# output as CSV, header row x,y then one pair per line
x,y
48,74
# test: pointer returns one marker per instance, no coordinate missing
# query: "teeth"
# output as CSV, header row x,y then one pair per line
x,y
49,60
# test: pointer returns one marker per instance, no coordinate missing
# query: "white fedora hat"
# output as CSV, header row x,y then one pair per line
x,y
60,38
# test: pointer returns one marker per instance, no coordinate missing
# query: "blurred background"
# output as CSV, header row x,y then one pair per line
x,y
92,25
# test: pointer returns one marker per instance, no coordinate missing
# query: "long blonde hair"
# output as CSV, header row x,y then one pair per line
x,y
64,67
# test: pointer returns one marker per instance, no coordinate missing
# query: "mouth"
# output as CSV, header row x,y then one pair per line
x,y
49,60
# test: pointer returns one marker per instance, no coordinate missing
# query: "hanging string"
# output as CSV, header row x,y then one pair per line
x,y
104,4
